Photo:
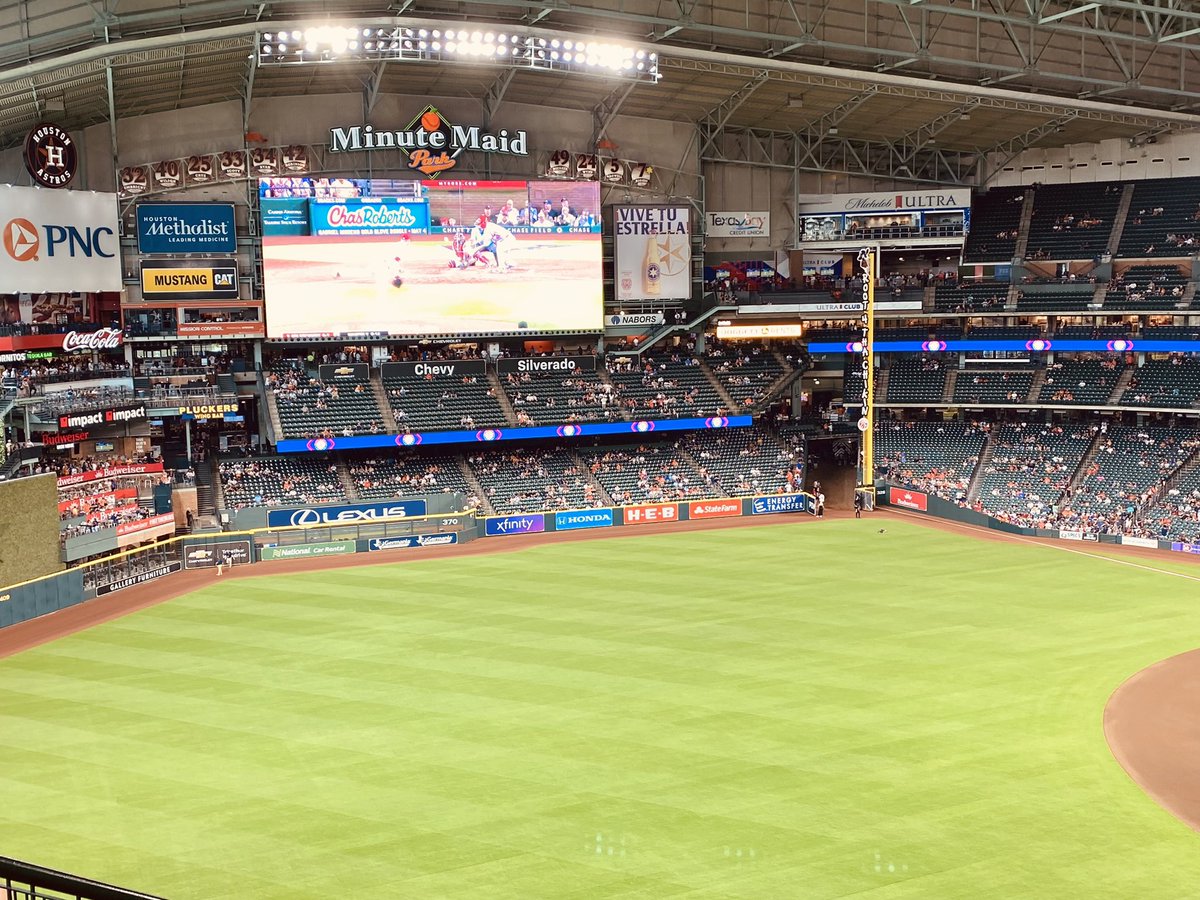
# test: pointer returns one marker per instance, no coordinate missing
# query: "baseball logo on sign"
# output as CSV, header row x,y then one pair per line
x,y
51,156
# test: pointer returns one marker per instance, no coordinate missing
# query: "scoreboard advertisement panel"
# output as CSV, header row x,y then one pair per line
x,y
437,257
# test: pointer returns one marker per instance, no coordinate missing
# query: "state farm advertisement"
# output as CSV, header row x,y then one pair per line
x,y
650,513
714,509
908,499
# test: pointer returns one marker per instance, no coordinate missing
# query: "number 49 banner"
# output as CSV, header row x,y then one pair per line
x,y
653,247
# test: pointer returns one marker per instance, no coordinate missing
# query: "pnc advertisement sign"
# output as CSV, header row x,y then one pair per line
x,y
58,241
350,514
431,143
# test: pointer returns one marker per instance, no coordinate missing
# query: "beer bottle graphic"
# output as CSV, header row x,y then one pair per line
x,y
651,267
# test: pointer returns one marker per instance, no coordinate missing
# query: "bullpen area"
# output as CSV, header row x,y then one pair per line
x,y
804,709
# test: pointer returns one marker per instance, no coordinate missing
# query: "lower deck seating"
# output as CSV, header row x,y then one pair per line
x,y
279,480
1176,515
407,473
529,480
646,474
1030,467
745,462
938,457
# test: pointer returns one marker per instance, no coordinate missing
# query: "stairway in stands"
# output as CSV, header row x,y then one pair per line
x,y
603,376
208,492
272,412
347,482
1122,384
1023,228
985,460
385,408
951,381
591,479
510,414
1081,470
485,505
1035,388
1114,236
730,406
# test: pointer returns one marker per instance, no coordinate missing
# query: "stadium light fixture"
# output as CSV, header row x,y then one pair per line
x,y
570,53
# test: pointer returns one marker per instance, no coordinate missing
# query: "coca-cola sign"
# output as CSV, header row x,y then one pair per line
x,y
103,339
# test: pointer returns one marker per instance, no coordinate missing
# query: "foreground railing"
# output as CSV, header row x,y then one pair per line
x,y
25,881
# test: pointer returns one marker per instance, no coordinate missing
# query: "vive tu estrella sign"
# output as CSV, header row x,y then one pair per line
x,y
431,144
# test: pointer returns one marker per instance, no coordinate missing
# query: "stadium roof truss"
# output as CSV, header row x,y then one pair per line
x,y
921,90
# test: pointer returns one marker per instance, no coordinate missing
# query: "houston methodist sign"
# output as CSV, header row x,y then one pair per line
x,y
431,144
58,241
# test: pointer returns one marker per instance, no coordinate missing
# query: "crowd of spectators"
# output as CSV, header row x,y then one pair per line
x,y
272,482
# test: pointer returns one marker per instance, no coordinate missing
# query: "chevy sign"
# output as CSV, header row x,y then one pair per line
x,y
186,228
531,523
58,241
583,518
352,514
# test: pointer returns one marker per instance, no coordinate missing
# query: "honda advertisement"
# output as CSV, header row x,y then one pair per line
x,y
577,519
351,514
58,241
908,499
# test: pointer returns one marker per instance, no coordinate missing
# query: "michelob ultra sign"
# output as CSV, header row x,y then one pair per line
x,y
653,247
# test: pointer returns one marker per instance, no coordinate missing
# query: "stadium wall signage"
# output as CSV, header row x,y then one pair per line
x,y
714,509
102,339
412,541
888,201
908,499
653,250
350,514
434,369
58,241
779,503
306,551
115,416
336,371
224,553
578,519
55,440
499,526
111,472
208,410
186,228
635,320
650,513
140,578
537,365
20,356
189,279
431,144
738,224
358,217
51,156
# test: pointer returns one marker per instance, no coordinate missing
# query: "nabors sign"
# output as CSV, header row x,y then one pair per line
x,y
431,144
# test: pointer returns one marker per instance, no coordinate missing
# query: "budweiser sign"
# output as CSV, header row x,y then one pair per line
x,y
104,339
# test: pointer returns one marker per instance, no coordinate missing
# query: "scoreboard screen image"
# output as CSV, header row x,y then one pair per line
x,y
350,255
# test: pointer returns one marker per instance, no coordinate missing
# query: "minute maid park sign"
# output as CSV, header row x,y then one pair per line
x,y
431,144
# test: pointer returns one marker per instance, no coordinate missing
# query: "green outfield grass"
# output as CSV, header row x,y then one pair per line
x,y
792,711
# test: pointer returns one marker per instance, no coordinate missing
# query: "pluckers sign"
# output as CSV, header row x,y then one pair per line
x,y
431,143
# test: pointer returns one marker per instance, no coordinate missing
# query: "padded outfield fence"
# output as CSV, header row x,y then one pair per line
x,y
342,529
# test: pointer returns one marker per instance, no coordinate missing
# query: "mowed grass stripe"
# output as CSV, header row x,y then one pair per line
x,y
808,710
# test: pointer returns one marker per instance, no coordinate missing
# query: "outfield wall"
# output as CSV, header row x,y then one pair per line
x,y
339,536
932,505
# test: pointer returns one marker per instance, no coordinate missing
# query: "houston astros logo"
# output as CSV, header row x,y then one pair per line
x,y
21,240
51,156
